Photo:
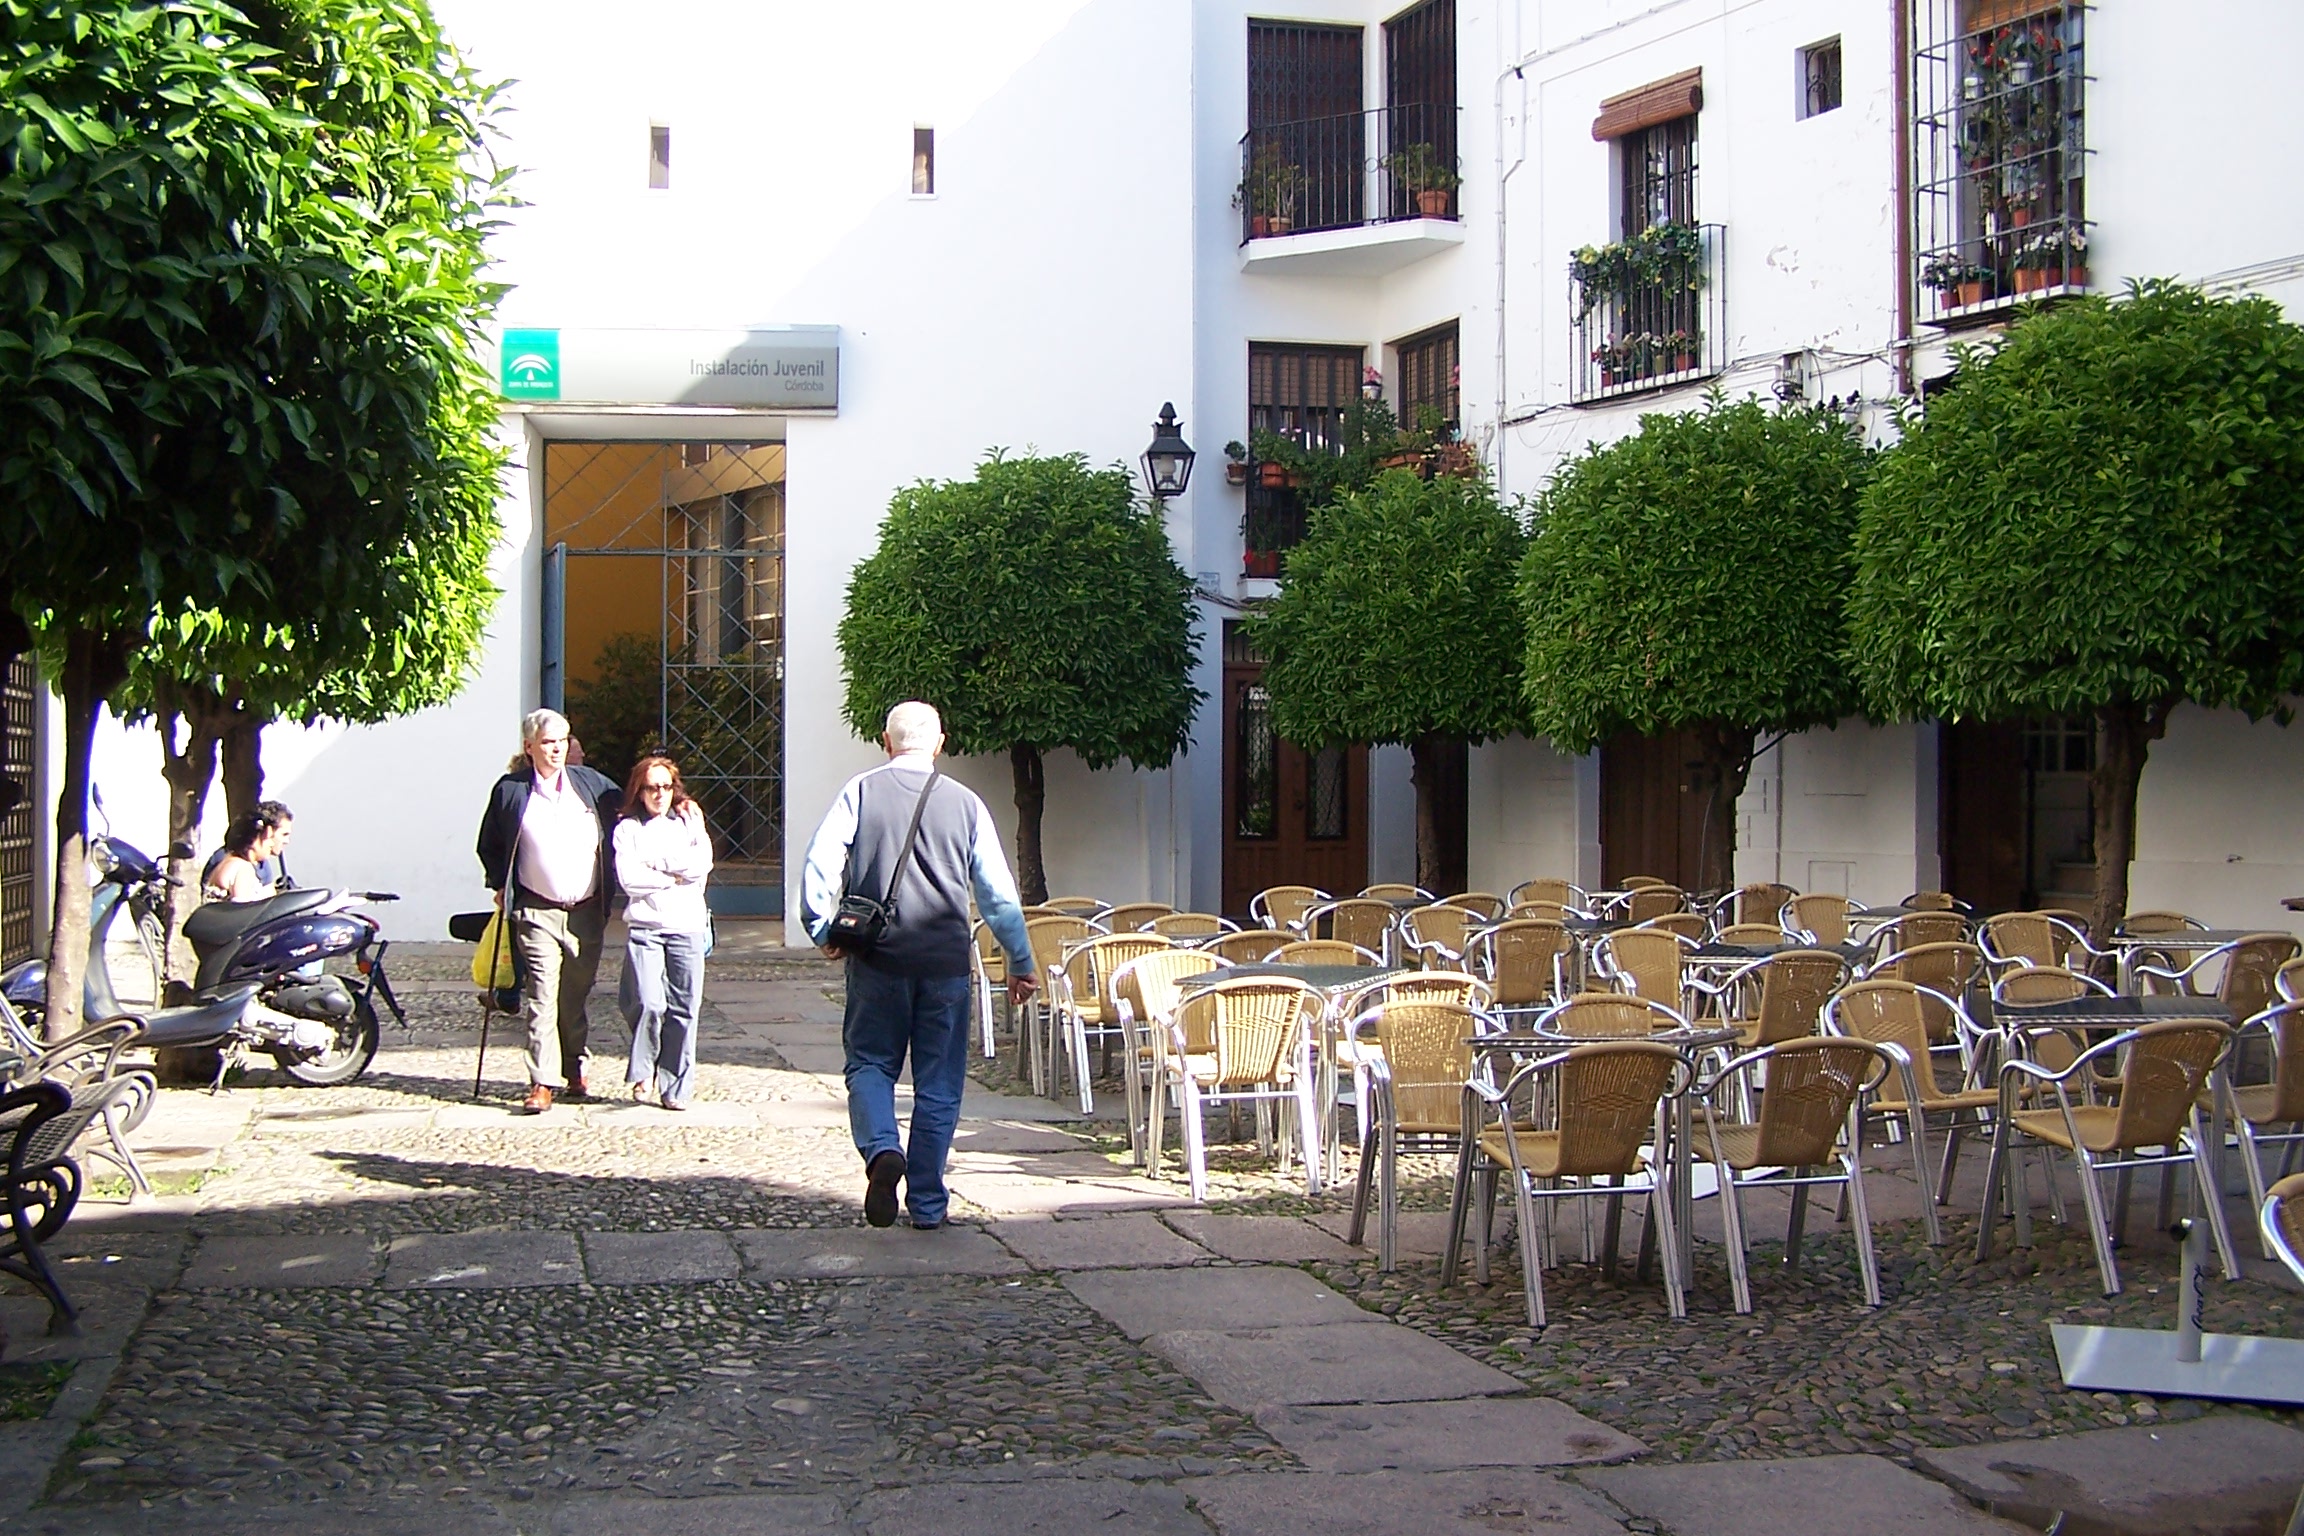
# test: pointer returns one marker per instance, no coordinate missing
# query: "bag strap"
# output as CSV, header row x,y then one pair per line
x,y
911,835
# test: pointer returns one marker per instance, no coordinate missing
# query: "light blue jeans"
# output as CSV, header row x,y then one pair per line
x,y
662,993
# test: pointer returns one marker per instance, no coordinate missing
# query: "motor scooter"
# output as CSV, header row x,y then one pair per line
x,y
261,981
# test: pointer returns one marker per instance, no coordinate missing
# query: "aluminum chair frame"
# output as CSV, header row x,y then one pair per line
x,y
1260,908
2281,1100
1300,1086
1379,1174
1145,1028
1073,1010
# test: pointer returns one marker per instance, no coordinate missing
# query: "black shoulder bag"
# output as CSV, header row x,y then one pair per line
x,y
860,921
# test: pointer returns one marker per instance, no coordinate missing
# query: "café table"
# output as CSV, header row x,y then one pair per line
x,y
1679,1158
2186,942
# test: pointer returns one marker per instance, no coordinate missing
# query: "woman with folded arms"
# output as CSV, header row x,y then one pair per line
x,y
663,854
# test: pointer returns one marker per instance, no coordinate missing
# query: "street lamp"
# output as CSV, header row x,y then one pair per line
x,y
1168,462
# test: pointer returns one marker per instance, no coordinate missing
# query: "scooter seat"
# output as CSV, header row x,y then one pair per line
x,y
197,1023
220,922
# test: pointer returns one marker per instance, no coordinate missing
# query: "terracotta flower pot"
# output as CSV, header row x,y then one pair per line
x,y
1261,563
1235,472
1432,203
1683,362
2031,279
1968,293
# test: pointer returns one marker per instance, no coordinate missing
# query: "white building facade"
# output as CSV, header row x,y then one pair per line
x,y
1026,225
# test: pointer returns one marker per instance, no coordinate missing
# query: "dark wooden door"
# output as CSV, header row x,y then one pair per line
x,y
1651,808
1980,812
1291,817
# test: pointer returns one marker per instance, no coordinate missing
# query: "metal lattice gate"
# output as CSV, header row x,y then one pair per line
x,y
673,630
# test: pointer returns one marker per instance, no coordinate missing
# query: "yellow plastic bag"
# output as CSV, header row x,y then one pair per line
x,y
492,960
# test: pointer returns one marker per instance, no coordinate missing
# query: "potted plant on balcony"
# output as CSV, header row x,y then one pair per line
x,y
2054,258
1267,193
1235,463
1598,271
1419,170
1668,255
1960,281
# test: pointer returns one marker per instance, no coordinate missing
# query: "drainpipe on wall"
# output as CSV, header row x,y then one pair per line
x,y
1900,179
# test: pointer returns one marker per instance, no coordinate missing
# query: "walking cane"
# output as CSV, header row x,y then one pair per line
x,y
488,999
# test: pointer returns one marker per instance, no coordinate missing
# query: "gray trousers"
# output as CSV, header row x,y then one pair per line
x,y
662,993
559,956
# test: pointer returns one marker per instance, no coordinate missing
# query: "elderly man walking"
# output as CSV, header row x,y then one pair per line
x,y
909,991
545,846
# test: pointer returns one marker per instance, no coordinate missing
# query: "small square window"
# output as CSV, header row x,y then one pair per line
x,y
1820,78
659,155
923,162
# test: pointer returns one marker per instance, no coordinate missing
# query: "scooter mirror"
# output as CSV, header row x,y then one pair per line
x,y
181,850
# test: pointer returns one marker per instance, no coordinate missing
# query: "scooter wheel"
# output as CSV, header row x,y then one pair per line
x,y
341,1061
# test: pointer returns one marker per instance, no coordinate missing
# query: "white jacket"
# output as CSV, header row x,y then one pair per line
x,y
661,863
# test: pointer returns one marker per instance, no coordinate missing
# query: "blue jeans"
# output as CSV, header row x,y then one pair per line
x,y
662,992
888,1016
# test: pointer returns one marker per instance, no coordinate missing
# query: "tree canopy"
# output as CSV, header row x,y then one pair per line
x,y
241,275
1692,577
2098,516
1038,606
1396,624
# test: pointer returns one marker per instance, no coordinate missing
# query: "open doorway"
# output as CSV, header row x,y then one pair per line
x,y
669,613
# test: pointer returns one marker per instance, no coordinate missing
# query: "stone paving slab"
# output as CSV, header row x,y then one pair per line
x,y
1376,1362
659,1258
2226,1473
458,1261
1009,1136
1482,1503
843,1251
1055,1506
1262,1239
1129,1240
713,1515
504,1114
1140,1303
805,1114
1421,1234
1019,1194
327,1258
1772,1498
716,1114
1436,1437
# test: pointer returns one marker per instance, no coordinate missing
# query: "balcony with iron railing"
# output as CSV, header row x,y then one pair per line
x,y
1356,194
1651,312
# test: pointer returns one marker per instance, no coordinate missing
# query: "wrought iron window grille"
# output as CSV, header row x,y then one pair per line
x,y
1651,312
1347,170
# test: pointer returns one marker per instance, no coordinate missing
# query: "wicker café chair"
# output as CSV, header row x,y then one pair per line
x,y
1751,933
1942,971
1485,905
1245,1038
1084,1004
1689,925
1393,890
988,970
1758,902
1809,1123
1248,945
1077,906
2013,939
1914,929
2165,1069
2144,925
1566,893
1323,952
1527,961
2249,966
1780,997
1821,918
1893,1014
1135,916
1649,961
1049,937
1932,901
1356,920
1641,882
1146,992
1436,936
1340,1051
1610,1016
1550,911
2288,981
1190,927
2259,1109
1412,1058
1652,901
1284,906
1594,1110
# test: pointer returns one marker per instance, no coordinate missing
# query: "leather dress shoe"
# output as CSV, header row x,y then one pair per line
x,y
578,1090
880,1177
539,1100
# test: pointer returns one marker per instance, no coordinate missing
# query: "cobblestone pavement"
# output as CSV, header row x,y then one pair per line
x,y
749,1376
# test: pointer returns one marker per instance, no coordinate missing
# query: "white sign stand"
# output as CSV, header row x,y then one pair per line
x,y
2187,1363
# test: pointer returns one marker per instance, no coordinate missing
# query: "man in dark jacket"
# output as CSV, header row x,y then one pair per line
x,y
544,845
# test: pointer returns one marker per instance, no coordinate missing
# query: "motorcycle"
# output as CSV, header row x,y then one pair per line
x,y
260,981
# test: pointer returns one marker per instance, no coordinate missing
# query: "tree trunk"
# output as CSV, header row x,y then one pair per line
x,y
94,665
2124,734
202,718
1031,796
243,757
1727,766
1436,768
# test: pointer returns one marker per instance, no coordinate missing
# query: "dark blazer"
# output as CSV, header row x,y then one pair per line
x,y
500,827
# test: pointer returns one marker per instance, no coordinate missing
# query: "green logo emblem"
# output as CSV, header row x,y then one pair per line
x,y
528,366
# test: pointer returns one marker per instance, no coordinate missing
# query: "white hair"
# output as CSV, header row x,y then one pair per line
x,y
537,721
915,727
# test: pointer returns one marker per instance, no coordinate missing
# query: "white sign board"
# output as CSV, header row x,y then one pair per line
x,y
786,368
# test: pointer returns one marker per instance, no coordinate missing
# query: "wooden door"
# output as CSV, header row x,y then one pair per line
x,y
1980,812
1291,817
1651,808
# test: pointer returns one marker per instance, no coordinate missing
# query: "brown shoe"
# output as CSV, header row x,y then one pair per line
x,y
577,1092
539,1100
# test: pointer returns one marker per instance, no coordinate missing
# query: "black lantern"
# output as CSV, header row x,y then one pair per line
x,y
1168,462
